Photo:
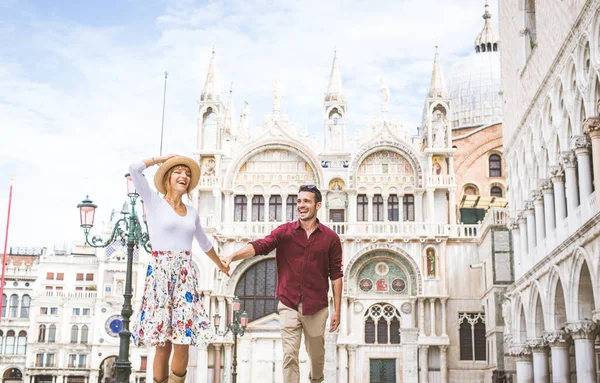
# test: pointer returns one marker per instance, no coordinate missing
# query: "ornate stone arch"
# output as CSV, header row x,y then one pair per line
x,y
554,278
228,284
579,258
534,294
395,254
518,310
294,147
376,146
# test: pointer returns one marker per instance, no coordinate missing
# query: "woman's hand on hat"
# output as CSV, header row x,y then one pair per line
x,y
160,160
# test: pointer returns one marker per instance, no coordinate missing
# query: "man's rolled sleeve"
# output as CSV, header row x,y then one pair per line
x,y
335,260
267,244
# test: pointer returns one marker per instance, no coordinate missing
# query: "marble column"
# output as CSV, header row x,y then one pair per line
x,y
351,206
201,364
419,205
386,217
516,245
217,366
421,316
352,364
540,225
249,208
370,208
531,232
559,343
558,182
524,364
569,161
228,208
549,208
344,316
584,335
432,321
284,208
581,146
400,208
591,127
541,368
267,198
452,203
227,361
424,363
430,204
522,234
342,375
443,300
444,364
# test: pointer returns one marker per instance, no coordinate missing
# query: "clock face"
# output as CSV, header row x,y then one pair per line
x,y
114,325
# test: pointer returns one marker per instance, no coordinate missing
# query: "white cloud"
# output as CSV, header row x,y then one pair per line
x,y
79,102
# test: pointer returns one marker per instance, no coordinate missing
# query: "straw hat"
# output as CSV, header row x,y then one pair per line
x,y
172,162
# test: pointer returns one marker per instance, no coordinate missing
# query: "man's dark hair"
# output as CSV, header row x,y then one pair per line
x,y
312,189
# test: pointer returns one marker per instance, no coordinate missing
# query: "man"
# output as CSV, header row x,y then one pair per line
x,y
307,254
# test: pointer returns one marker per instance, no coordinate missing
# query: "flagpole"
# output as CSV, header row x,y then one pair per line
x,y
12,181
162,128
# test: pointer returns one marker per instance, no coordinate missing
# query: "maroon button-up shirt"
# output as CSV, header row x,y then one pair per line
x,y
303,264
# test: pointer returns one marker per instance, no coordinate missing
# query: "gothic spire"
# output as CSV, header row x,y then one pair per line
x,y
210,91
487,40
229,119
438,82
334,89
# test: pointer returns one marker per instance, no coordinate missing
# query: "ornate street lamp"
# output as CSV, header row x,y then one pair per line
x,y
237,326
127,229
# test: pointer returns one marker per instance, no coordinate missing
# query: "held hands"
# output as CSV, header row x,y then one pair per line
x,y
334,322
224,267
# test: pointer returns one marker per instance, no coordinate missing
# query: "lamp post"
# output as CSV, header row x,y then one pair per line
x,y
127,229
237,326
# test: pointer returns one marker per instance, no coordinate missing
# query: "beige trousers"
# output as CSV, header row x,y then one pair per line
x,y
292,324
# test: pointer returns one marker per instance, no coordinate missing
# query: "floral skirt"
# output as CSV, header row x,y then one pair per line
x,y
171,307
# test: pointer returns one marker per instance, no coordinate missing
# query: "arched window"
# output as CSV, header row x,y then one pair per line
x,y
408,207
258,208
42,333
9,349
393,211
241,204
495,166
3,307
496,191
275,206
472,336
1,341
74,334
382,324
52,334
256,289
362,207
377,208
22,343
14,306
290,207
25,303
84,334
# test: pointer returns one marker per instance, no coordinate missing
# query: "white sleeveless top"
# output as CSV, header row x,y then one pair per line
x,y
167,229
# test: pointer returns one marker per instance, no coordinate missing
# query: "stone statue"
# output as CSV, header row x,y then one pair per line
x,y
385,95
438,128
335,134
506,314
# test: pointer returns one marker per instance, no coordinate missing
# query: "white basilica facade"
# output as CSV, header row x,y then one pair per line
x,y
550,68
422,292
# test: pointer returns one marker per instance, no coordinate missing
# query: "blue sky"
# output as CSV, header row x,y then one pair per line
x,y
81,83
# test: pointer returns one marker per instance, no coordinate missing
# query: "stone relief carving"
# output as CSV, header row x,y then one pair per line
x,y
568,159
580,143
582,330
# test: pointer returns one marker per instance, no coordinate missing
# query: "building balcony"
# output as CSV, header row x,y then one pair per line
x,y
68,295
359,230
441,180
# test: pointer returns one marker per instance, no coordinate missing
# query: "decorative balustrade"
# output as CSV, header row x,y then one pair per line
x,y
208,181
441,179
64,294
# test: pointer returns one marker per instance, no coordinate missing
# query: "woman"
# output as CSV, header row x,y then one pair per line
x,y
172,315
